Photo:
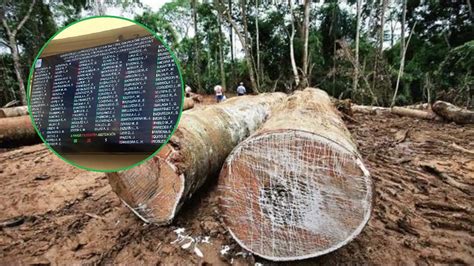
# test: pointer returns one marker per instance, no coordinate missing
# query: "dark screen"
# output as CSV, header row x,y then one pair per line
x,y
119,97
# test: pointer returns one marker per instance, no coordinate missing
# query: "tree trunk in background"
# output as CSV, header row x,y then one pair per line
x,y
402,32
221,54
307,9
231,37
379,53
156,189
259,67
292,50
248,44
17,67
402,66
297,188
197,71
355,82
248,57
382,27
12,44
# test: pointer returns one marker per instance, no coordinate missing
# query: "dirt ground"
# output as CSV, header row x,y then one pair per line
x,y
53,213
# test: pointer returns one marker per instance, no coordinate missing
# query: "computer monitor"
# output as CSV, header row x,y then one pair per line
x,y
121,97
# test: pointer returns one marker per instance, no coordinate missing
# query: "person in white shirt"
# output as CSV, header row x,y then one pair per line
x,y
241,89
188,91
219,93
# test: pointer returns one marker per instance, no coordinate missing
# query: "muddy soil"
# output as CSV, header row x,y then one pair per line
x,y
53,213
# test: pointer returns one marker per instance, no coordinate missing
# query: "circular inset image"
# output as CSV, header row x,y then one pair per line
x,y
105,93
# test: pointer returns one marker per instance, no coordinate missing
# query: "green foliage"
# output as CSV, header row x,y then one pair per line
x,y
455,74
438,61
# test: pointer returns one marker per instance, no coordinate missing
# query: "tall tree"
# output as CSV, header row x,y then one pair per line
x,y
221,52
197,62
402,66
402,26
257,44
243,8
226,14
11,27
357,37
307,9
379,53
292,48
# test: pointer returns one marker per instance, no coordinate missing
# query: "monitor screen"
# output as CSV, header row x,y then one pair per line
x,y
120,97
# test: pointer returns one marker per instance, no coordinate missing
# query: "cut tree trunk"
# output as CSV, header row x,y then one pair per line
x,y
421,114
451,112
16,131
411,111
369,109
297,188
13,111
188,103
156,189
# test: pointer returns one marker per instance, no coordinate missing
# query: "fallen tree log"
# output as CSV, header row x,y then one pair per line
x,y
16,131
188,103
369,109
411,111
13,111
297,188
421,114
454,113
156,189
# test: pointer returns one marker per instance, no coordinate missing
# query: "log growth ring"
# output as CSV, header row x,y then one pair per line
x,y
292,194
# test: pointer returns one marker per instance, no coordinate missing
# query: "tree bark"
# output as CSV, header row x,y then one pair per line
x,y
299,177
13,111
221,54
257,44
292,50
248,43
355,82
307,9
402,32
156,189
453,113
17,131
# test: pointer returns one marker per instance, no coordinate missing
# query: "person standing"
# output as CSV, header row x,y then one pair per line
x,y
219,93
188,91
241,89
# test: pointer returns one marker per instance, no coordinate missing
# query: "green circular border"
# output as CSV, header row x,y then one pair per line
x,y
118,169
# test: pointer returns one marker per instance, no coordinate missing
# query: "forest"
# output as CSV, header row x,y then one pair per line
x,y
381,53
